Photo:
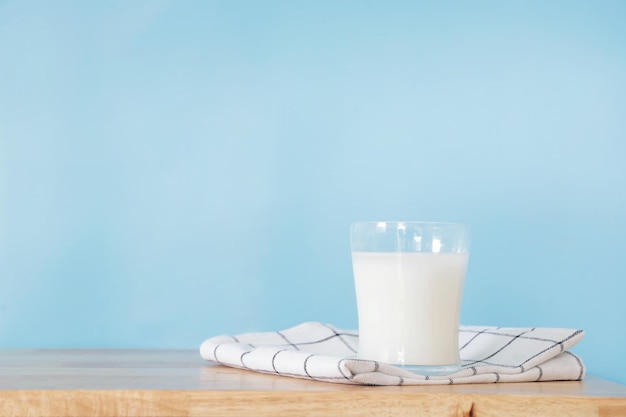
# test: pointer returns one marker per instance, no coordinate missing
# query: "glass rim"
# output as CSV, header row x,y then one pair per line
x,y
410,236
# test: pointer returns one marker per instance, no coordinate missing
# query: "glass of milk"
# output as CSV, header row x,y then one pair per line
x,y
409,280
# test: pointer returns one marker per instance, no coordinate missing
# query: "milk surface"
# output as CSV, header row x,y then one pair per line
x,y
409,305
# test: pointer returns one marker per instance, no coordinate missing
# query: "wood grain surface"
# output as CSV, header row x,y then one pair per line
x,y
91,382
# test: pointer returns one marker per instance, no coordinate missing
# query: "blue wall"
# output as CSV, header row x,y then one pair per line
x,y
173,170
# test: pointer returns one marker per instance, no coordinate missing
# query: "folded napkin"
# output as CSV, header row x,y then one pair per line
x,y
323,352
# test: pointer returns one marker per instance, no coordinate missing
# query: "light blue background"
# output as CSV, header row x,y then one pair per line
x,y
173,170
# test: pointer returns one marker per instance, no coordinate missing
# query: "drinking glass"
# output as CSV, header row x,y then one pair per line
x,y
409,279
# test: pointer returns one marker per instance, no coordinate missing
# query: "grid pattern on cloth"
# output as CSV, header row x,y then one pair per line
x,y
323,352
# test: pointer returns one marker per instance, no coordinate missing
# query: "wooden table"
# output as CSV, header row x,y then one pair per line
x,y
90,382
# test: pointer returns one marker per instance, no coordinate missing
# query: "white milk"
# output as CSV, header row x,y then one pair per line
x,y
409,305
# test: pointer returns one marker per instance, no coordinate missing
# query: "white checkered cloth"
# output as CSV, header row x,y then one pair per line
x,y
325,353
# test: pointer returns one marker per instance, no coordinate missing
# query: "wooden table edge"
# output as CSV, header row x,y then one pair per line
x,y
191,403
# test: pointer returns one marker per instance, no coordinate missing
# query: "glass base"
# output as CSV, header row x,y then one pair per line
x,y
430,370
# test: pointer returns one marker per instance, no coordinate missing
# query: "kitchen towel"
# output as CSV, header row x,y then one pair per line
x,y
322,352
